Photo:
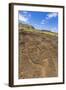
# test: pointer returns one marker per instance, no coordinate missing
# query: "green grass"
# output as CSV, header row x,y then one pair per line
x,y
28,28
38,31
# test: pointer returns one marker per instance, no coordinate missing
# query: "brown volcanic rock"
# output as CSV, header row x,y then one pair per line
x,y
38,55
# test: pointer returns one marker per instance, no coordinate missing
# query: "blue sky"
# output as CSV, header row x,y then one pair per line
x,y
40,20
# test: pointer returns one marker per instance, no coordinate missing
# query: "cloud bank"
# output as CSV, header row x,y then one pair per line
x,y
22,18
51,15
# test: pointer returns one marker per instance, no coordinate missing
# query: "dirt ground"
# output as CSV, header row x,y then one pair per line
x,y
38,55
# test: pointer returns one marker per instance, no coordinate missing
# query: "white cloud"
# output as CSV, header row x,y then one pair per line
x,y
37,26
54,29
26,14
43,22
23,18
51,15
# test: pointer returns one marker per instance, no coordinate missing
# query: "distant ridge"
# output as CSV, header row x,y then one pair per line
x,y
24,25
46,30
27,27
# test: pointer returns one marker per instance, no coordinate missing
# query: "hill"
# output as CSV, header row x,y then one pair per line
x,y
38,53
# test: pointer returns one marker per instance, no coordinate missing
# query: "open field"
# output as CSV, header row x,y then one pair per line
x,y
38,53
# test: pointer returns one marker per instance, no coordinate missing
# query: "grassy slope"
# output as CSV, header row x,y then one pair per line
x,y
37,53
